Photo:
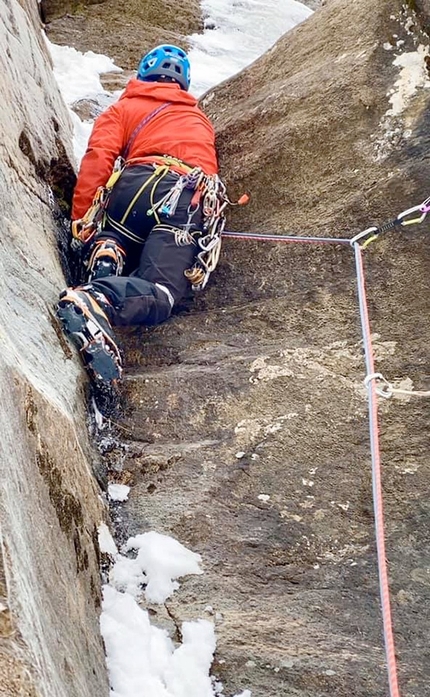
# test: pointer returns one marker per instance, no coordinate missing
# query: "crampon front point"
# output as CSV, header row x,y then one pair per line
x,y
100,354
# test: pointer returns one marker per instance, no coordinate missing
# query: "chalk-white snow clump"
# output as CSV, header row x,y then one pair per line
x,y
118,492
142,659
413,76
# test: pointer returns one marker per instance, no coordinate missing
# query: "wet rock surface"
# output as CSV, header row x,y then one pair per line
x,y
245,432
50,504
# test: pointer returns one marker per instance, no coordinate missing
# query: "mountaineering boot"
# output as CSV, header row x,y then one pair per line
x,y
107,259
82,312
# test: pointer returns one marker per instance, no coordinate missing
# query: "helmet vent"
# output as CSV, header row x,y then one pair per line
x,y
168,61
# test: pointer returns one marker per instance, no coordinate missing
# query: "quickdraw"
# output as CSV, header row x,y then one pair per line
x,y
363,239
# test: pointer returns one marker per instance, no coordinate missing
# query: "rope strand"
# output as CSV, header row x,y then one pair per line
x,y
284,238
376,479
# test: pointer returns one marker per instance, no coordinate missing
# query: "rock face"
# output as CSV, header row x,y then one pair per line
x,y
249,435
49,502
122,29
245,433
49,9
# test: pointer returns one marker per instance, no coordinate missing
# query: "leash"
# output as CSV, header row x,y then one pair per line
x,y
376,385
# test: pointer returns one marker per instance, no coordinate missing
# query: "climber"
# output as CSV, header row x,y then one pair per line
x,y
155,233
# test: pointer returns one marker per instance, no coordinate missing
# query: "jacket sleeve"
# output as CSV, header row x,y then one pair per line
x,y
104,146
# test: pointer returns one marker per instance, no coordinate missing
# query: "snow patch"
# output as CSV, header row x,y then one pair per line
x,y
236,34
78,77
163,560
413,75
118,492
106,541
142,658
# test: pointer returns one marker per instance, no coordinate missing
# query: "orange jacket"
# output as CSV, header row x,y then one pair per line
x,y
181,130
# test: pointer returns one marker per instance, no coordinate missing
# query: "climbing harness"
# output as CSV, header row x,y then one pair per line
x,y
209,195
375,384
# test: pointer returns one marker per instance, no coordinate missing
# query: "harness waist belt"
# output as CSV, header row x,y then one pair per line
x,y
173,163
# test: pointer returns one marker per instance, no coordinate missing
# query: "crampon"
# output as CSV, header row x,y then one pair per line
x,y
85,323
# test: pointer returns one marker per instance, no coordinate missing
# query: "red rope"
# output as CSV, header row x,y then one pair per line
x,y
376,480
284,238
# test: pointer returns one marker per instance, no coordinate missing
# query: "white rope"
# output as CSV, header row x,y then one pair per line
x,y
411,393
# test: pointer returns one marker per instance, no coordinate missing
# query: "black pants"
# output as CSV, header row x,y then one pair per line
x,y
157,254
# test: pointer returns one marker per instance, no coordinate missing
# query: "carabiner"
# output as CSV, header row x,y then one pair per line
x,y
422,208
425,206
385,390
371,234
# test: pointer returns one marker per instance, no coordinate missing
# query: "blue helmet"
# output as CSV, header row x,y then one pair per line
x,y
167,60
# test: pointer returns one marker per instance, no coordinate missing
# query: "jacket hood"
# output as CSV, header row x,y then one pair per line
x,y
160,91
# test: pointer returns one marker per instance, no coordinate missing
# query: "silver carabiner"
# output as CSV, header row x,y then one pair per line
x,y
362,235
422,208
386,390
